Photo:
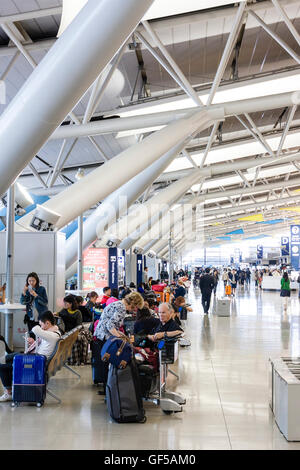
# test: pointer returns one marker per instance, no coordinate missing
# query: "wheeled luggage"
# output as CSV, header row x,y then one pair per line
x,y
123,395
98,366
148,379
29,379
117,351
223,307
228,290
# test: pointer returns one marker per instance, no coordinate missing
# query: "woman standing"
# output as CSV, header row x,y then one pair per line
x,y
35,298
216,280
112,319
233,278
285,288
225,277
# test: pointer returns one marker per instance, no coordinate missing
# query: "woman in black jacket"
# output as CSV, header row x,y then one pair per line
x,y
145,322
35,298
70,314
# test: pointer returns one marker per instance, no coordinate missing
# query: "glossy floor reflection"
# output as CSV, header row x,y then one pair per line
x,y
223,375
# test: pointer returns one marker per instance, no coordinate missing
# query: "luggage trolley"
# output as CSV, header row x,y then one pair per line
x,y
170,402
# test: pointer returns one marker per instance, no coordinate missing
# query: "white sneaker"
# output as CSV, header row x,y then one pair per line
x,y
6,397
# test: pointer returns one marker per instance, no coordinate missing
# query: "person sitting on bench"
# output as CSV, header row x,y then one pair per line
x,y
167,326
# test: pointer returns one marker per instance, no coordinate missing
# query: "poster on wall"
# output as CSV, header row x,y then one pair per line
x,y
295,246
95,268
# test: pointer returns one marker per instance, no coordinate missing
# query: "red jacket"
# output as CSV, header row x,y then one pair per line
x,y
158,287
104,299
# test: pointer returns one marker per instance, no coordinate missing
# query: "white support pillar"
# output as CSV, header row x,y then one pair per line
x,y
116,204
155,208
10,221
70,203
80,254
110,126
61,79
171,267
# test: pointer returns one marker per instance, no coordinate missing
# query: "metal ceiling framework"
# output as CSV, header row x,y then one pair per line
x,y
148,33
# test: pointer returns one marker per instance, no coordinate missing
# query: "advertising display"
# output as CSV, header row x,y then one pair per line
x,y
295,246
113,268
285,246
259,252
95,268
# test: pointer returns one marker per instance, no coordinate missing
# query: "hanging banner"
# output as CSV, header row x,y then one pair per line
x,y
113,268
285,246
139,269
259,252
95,268
295,246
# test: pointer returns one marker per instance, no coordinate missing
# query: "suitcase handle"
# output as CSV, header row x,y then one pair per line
x,y
120,350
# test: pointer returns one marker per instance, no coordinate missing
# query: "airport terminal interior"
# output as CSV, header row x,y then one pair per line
x,y
149,225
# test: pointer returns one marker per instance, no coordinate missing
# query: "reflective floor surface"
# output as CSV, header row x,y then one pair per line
x,y
223,375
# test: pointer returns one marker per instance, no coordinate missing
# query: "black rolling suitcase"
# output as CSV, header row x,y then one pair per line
x,y
98,366
148,379
123,394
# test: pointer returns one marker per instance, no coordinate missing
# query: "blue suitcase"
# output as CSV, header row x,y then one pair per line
x,y
29,379
117,351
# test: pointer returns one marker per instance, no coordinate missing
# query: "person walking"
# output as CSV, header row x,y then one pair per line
x,y
225,277
248,276
233,278
285,288
145,276
242,278
216,279
207,284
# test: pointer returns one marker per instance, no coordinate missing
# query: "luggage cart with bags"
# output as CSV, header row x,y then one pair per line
x,y
170,402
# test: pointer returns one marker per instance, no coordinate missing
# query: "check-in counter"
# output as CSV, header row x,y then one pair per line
x,y
274,283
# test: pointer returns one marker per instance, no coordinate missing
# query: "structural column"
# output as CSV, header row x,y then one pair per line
x,y
171,259
60,80
10,221
80,254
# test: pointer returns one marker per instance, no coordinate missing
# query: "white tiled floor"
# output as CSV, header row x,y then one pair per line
x,y
224,376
